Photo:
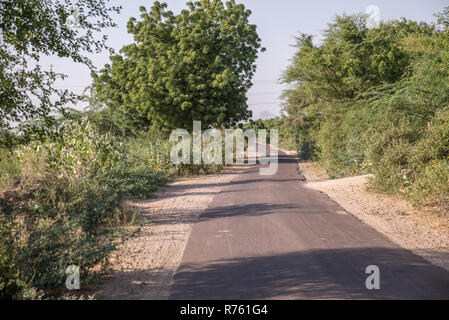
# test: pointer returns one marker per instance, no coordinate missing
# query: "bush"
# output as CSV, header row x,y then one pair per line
x,y
61,201
9,168
410,133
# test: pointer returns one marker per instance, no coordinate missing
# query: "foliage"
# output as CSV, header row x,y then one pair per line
x,y
32,29
196,65
286,133
64,178
376,100
60,201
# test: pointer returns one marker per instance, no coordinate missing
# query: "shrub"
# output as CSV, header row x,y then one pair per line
x,y
9,168
63,202
376,101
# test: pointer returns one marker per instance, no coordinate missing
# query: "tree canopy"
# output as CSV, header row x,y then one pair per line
x,y
351,60
30,30
196,65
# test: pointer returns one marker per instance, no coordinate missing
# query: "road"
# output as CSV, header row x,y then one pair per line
x,y
270,237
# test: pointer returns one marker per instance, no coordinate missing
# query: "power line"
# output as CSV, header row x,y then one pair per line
x,y
264,103
70,87
264,93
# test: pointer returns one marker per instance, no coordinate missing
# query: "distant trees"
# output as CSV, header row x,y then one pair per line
x,y
196,65
31,29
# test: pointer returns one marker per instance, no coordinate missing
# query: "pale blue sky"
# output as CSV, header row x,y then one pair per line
x,y
277,21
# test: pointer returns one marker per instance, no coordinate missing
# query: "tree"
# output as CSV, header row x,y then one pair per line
x,y
196,65
351,60
332,85
32,29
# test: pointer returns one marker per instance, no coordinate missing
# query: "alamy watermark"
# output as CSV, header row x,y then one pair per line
x,y
373,280
73,277
208,147
374,18
73,20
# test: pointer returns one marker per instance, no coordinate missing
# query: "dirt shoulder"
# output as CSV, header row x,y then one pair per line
x,y
419,230
144,264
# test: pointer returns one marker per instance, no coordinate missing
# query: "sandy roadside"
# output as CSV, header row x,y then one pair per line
x,y
144,265
419,230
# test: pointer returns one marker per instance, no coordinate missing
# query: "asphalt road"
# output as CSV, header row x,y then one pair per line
x,y
269,237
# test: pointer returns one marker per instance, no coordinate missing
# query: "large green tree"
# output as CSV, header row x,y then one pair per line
x,y
196,65
30,30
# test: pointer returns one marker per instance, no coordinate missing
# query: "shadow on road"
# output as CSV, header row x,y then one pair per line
x,y
314,274
252,209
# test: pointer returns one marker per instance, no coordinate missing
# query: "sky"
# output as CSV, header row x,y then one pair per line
x,y
278,22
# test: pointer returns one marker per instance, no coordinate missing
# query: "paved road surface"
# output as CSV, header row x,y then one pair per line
x,y
269,237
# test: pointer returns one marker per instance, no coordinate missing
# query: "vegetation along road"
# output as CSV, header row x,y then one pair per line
x,y
95,94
